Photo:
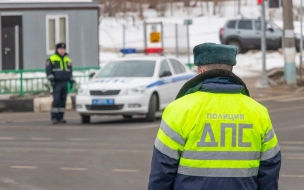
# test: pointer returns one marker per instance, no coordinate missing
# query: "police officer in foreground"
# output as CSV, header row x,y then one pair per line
x,y
214,136
59,73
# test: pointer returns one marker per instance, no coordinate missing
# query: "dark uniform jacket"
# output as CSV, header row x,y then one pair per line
x,y
164,169
59,68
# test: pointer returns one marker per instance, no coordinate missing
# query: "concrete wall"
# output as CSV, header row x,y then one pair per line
x,y
82,41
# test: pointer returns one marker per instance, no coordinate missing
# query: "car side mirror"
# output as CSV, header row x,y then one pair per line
x,y
91,75
270,29
165,74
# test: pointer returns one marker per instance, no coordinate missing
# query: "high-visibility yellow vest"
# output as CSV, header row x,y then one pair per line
x,y
63,65
217,135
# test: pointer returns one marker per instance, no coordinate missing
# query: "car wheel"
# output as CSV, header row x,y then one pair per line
x,y
85,119
236,44
127,116
152,108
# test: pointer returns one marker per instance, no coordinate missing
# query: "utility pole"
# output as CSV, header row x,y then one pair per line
x,y
289,45
239,7
301,41
264,79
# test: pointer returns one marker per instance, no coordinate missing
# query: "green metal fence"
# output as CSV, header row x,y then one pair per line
x,y
21,82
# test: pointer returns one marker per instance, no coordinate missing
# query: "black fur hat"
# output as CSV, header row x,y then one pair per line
x,y
60,45
210,53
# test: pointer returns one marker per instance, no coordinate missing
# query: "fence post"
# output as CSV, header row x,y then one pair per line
x,y
123,35
69,88
176,40
16,47
21,83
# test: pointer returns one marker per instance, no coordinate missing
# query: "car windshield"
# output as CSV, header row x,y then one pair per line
x,y
269,25
273,25
130,68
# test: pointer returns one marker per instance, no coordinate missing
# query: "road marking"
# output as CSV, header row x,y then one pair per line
x,y
8,180
23,167
40,139
285,109
7,138
292,142
79,139
124,170
23,120
74,169
273,98
139,127
298,176
289,128
289,148
291,99
295,158
31,120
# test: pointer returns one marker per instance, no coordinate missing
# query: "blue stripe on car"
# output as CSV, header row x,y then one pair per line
x,y
167,81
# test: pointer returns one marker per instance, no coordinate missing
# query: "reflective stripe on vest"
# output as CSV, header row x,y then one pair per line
x,y
63,65
218,172
209,140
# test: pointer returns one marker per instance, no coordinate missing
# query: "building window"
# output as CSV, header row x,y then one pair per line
x,y
56,32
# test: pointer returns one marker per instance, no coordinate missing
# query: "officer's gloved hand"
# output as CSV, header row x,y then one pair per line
x,y
52,82
72,82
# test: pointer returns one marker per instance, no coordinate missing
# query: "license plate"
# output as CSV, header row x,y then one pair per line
x,y
102,101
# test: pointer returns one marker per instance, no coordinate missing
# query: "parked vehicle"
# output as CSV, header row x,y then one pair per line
x,y
246,34
130,86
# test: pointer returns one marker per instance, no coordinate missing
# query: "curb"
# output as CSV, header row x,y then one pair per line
x,y
25,105
39,104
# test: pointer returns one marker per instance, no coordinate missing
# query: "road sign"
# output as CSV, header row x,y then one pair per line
x,y
188,22
155,37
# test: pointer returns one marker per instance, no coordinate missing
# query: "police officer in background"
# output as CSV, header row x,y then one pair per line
x,y
59,73
214,136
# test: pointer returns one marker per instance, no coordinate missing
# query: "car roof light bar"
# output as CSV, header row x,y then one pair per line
x,y
128,50
154,50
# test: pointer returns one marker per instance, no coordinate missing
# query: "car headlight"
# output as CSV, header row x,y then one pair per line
x,y
83,92
134,91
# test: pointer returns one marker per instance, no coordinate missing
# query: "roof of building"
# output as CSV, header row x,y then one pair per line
x,y
17,5
42,1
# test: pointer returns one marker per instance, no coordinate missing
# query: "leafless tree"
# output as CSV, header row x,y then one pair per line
x,y
115,8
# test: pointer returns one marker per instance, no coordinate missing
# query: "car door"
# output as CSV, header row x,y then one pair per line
x,y
180,76
273,36
166,89
246,33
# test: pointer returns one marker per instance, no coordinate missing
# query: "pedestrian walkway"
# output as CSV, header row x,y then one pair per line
x,y
271,91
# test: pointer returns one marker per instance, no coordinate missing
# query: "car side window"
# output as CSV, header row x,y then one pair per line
x,y
245,24
164,67
258,25
177,66
231,24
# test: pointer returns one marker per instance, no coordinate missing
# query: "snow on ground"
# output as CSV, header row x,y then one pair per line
x,y
204,29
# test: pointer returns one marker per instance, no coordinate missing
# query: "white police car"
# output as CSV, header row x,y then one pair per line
x,y
131,86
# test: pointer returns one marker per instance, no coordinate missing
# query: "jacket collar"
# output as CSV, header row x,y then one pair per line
x,y
216,81
56,52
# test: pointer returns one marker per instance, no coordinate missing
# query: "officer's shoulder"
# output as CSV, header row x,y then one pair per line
x,y
255,104
186,102
53,55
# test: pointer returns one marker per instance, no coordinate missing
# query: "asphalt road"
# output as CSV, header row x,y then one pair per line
x,y
113,153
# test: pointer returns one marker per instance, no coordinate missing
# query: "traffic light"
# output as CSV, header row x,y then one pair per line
x,y
274,3
260,2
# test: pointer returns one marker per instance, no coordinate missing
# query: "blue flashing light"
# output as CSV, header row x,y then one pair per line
x,y
128,50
